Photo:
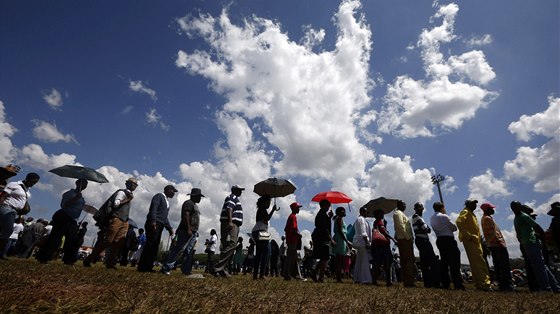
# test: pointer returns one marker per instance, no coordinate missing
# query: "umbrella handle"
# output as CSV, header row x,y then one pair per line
x,y
83,218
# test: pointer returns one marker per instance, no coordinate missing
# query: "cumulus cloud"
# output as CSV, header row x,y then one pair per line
x,y
53,99
486,186
539,165
140,87
154,118
49,133
450,94
7,153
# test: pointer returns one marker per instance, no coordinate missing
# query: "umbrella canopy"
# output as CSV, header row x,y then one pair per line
x,y
386,204
89,209
132,223
274,187
332,196
79,172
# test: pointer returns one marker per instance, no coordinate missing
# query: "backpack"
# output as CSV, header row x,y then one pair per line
x,y
106,211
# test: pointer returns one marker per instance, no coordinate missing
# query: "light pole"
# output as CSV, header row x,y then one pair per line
x,y
436,179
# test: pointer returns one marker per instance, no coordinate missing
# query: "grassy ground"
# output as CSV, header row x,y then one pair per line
x,y
28,286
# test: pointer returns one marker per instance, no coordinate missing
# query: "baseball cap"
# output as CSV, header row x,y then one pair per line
x,y
487,206
295,205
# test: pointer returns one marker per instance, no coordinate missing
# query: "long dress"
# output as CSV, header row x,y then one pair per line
x,y
362,273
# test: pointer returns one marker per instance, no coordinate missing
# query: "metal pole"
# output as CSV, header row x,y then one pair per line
x,y
437,179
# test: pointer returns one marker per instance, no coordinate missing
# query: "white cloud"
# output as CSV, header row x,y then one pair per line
x,y
483,40
140,87
7,153
486,186
49,133
53,99
546,123
312,37
449,94
539,165
153,118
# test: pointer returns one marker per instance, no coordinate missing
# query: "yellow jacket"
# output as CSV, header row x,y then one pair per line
x,y
468,226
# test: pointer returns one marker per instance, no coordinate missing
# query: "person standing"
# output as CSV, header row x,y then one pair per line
x,y
405,238
156,221
282,254
342,246
497,246
187,234
429,262
469,234
13,198
381,254
527,229
231,218
448,249
261,236
211,246
141,243
65,224
362,242
293,237
555,223
322,239
112,233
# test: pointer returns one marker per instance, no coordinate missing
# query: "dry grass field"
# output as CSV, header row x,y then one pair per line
x,y
30,287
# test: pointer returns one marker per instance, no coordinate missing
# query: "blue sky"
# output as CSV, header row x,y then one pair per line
x,y
367,98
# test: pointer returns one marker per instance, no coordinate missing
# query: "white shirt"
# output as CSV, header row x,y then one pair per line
x,y
18,228
214,240
442,225
17,195
362,229
121,196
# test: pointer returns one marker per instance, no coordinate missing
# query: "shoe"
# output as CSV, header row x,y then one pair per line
x,y
165,272
313,276
87,263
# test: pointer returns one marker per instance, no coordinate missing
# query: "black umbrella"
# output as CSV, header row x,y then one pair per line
x,y
274,187
132,223
386,204
79,172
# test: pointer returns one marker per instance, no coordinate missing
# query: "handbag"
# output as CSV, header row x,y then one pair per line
x,y
264,235
377,238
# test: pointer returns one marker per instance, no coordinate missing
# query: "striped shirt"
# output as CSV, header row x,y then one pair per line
x,y
232,203
420,227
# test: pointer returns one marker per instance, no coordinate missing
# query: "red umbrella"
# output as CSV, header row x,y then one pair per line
x,y
332,196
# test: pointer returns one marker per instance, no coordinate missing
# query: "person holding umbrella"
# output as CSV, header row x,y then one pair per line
x,y
65,224
322,239
261,236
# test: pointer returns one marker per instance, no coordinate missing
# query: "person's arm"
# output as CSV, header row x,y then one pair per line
x,y
154,205
274,208
186,217
385,233
122,198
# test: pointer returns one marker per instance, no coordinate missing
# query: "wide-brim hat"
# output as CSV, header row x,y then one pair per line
x,y
196,192
554,209
237,187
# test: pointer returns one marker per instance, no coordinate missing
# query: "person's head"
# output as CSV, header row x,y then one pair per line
x,y
283,238
196,195
213,232
170,191
439,207
31,179
378,213
419,208
515,207
251,241
263,202
295,206
81,184
131,184
20,220
401,205
324,204
240,240
237,190
554,209
29,219
363,211
488,209
84,224
340,211
141,231
471,204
